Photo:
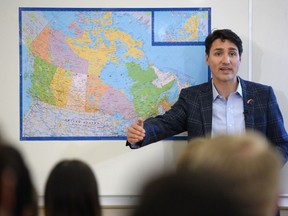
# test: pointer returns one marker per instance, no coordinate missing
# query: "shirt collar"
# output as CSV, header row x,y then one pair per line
x,y
216,94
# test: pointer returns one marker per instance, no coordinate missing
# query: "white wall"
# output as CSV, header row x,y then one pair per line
x,y
270,57
121,171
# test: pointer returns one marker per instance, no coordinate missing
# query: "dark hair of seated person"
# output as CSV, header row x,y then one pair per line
x,y
17,193
71,190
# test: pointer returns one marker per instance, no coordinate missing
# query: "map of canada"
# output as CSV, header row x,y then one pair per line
x,y
89,73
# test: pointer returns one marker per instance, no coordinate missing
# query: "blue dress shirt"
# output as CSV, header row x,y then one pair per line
x,y
228,115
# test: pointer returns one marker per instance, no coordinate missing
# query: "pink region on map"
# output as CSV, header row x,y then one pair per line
x,y
114,101
77,94
63,56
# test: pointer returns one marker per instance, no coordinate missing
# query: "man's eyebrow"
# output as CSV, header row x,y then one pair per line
x,y
218,49
221,49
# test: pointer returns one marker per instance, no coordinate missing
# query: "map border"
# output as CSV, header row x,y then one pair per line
x,y
154,43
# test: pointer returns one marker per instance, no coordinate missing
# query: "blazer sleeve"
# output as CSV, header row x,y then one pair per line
x,y
172,122
276,131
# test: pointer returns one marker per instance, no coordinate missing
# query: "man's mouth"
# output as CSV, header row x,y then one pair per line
x,y
225,69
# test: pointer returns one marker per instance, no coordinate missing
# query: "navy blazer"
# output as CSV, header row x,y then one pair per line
x,y
193,113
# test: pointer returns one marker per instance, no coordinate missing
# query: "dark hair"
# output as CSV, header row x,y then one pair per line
x,y
223,34
12,165
182,194
71,190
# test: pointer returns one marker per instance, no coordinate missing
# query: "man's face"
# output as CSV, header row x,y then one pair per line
x,y
224,61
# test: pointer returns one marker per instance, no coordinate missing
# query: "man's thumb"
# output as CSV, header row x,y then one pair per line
x,y
140,122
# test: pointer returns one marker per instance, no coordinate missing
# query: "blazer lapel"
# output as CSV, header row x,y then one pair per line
x,y
248,102
206,98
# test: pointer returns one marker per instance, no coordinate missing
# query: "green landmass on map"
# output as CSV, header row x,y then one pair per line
x,y
147,97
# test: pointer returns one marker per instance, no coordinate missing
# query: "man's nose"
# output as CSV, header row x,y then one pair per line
x,y
226,59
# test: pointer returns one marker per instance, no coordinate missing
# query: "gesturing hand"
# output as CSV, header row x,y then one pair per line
x,y
136,131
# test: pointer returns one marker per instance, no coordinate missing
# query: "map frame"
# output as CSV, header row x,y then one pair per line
x,y
154,43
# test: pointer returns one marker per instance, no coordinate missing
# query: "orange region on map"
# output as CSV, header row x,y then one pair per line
x,y
39,46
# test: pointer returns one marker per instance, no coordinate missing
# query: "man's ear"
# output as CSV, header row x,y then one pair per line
x,y
207,57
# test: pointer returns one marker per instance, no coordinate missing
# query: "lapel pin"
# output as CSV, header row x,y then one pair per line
x,y
250,101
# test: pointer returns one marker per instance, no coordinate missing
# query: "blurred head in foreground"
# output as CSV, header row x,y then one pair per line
x,y
72,190
226,175
17,193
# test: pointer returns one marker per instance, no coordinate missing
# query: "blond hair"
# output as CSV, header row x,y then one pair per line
x,y
246,168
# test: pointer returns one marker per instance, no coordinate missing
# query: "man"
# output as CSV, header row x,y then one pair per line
x,y
223,176
226,104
